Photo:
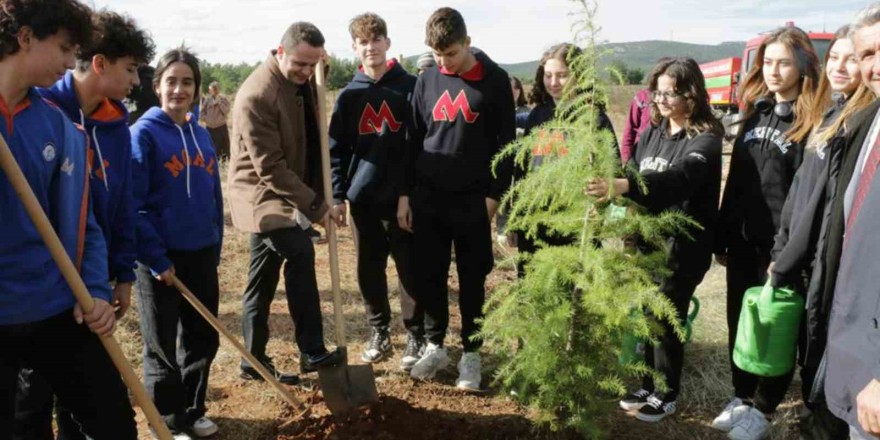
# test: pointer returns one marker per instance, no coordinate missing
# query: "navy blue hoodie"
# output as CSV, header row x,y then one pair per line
x,y
176,188
109,158
368,136
459,123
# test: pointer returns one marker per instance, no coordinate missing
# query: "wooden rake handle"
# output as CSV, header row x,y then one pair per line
x,y
328,198
71,275
257,365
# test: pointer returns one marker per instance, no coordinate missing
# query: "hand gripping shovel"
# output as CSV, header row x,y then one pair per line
x,y
345,386
71,275
257,365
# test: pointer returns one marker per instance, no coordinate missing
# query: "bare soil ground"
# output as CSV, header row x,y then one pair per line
x,y
434,410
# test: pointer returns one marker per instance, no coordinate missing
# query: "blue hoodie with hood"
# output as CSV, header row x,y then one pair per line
x,y
177,190
109,159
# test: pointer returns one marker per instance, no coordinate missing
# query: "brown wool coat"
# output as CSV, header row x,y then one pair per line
x,y
269,175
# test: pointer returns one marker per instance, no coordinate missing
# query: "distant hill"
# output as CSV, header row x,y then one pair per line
x,y
642,54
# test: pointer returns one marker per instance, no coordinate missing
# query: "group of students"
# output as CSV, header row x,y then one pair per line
x,y
411,158
797,209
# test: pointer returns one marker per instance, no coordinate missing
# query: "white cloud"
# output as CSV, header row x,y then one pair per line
x,y
508,30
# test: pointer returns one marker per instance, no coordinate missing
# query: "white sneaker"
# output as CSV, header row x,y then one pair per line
x,y
752,426
204,427
434,360
731,415
469,372
178,436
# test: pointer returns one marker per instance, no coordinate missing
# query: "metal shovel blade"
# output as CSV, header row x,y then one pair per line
x,y
347,387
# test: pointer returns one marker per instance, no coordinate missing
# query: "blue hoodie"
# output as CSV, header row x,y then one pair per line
x,y
109,158
51,153
176,188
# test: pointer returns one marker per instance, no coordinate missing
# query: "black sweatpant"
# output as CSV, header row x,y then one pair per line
x,y
379,235
76,367
746,268
440,220
220,138
34,402
667,356
179,344
293,248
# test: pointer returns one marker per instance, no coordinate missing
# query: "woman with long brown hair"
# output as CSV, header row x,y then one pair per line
x,y
678,158
801,242
779,94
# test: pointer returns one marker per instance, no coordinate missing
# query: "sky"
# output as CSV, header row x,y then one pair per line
x,y
509,31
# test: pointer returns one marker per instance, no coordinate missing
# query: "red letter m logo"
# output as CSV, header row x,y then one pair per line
x,y
371,122
447,110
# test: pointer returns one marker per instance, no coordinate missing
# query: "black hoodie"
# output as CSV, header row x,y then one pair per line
x,y
459,124
368,136
681,172
762,167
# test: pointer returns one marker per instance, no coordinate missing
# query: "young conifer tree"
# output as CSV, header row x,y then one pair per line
x,y
568,315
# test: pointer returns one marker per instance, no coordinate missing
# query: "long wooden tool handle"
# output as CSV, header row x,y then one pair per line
x,y
257,365
71,275
328,197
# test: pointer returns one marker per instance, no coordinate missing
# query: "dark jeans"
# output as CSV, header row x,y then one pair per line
x,y
179,345
269,250
75,365
34,401
378,236
439,221
220,138
667,356
746,268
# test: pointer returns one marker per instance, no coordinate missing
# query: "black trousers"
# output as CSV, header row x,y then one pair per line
x,y
439,221
667,356
179,345
378,235
34,402
75,367
293,248
220,138
747,267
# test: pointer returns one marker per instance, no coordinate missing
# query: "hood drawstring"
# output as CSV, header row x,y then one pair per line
x,y
82,120
185,160
195,141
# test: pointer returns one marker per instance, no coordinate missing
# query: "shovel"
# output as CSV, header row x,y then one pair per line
x,y
71,275
345,387
257,365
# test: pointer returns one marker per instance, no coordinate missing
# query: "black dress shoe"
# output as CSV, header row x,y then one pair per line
x,y
312,362
250,373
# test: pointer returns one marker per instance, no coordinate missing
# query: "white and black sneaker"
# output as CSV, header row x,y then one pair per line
x,y
415,348
656,409
379,345
636,400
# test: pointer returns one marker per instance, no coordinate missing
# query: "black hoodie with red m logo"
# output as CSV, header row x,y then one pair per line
x,y
459,123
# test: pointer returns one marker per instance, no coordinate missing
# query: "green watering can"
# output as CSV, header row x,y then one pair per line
x,y
766,337
634,348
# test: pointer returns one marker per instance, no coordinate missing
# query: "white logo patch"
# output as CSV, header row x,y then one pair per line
x,y
49,152
698,156
67,167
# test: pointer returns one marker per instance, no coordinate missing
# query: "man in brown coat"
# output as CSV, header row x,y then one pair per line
x,y
276,193
215,108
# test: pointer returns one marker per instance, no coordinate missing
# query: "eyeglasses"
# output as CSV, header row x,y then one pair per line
x,y
669,96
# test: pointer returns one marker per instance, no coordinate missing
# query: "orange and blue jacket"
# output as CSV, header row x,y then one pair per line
x,y
51,153
109,158
177,192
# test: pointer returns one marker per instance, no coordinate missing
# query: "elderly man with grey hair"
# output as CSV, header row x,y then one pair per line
x,y
215,109
852,381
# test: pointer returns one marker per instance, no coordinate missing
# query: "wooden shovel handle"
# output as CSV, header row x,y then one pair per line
x,y
257,365
71,275
328,197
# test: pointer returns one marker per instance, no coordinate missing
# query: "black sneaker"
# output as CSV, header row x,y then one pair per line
x,y
250,373
636,400
379,345
311,362
656,409
415,348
